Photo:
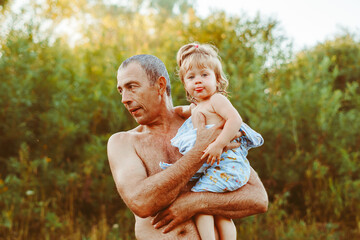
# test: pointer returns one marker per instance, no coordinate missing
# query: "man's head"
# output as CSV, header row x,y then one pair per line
x,y
144,84
153,67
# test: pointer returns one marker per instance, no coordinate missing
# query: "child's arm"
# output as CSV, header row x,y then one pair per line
x,y
184,111
223,107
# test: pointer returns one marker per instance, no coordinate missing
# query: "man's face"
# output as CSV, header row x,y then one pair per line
x,y
138,96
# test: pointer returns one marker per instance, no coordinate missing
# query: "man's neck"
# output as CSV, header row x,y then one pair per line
x,y
163,123
166,121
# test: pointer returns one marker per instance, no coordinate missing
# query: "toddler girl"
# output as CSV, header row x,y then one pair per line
x,y
201,73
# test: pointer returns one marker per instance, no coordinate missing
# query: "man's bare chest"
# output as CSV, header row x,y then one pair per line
x,y
153,149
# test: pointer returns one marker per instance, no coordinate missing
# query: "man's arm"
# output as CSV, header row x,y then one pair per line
x,y
146,195
248,200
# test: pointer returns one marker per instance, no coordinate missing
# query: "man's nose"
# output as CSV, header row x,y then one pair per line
x,y
125,97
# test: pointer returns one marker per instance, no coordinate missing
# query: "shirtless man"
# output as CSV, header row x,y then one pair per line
x,y
162,206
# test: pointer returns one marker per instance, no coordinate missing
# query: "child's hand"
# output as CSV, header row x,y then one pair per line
x,y
184,111
213,152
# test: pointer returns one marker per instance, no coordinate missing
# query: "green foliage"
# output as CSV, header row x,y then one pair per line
x,y
322,161
55,124
59,105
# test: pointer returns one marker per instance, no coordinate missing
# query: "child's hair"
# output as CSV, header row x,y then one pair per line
x,y
201,56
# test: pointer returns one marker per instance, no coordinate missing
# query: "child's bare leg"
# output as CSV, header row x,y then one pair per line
x,y
226,228
205,225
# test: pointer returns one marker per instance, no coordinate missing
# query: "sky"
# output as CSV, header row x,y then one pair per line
x,y
305,22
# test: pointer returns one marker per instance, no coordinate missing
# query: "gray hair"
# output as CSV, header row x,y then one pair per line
x,y
153,67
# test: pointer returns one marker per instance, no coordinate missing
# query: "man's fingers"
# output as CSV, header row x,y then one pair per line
x,y
200,119
232,145
170,226
158,217
163,222
238,134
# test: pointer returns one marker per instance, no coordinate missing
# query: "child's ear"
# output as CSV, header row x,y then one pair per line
x,y
161,84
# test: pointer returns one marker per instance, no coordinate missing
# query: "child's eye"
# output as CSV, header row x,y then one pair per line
x,y
205,74
190,77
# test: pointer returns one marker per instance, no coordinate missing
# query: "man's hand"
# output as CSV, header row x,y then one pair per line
x,y
178,212
233,144
206,136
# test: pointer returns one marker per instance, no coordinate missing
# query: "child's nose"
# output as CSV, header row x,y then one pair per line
x,y
198,80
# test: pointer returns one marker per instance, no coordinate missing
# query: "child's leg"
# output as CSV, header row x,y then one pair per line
x,y
226,228
205,225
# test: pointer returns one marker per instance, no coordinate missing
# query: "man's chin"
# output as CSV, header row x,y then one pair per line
x,y
143,120
140,120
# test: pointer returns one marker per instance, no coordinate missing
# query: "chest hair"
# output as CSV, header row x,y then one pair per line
x,y
155,148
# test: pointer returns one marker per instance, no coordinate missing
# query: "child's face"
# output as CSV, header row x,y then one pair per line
x,y
200,83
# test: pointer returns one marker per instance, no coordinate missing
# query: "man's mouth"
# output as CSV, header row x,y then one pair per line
x,y
134,110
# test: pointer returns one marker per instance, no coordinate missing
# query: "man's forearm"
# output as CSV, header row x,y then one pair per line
x,y
248,200
147,195
159,190
235,204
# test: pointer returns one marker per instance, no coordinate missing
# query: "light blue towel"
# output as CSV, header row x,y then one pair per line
x,y
234,169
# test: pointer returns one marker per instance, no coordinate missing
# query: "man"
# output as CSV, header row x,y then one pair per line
x,y
162,206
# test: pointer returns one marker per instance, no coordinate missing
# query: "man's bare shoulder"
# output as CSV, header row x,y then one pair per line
x,y
122,152
120,141
125,136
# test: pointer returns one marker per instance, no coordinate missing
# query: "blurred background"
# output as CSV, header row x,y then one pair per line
x,y
59,105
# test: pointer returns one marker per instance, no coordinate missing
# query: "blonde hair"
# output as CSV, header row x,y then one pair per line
x,y
201,56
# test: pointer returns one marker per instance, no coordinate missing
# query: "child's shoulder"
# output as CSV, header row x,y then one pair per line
x,y
218,97
219,101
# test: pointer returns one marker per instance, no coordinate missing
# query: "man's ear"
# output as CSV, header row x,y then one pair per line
x,y
161,84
